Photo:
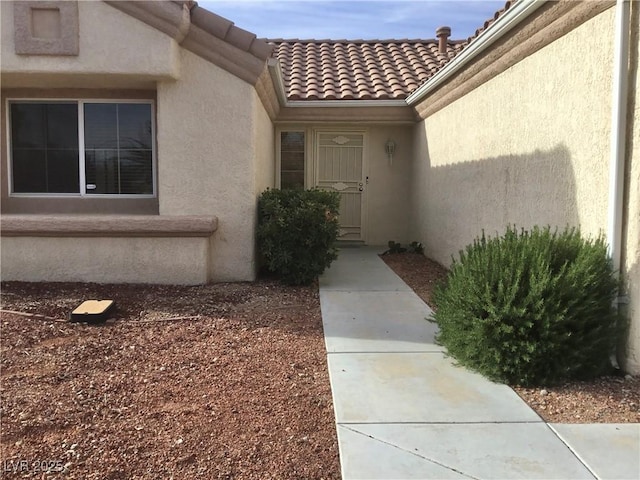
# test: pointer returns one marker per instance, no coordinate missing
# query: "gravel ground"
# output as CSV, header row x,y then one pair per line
x,y
218,381
235,388
603,400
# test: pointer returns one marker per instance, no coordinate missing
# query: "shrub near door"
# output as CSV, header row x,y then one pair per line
x,y
530,308
297,231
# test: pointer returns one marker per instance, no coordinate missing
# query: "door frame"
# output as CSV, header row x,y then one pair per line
x,y
315,161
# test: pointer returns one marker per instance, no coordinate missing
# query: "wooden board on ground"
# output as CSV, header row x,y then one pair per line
x,y
92,311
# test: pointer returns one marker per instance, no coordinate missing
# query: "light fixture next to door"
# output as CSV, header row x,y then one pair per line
x,y
390,148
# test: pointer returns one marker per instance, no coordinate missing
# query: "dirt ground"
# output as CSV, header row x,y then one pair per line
x,y
224,381
613,399
240,390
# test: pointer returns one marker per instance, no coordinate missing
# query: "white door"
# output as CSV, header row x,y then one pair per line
x,y
340,168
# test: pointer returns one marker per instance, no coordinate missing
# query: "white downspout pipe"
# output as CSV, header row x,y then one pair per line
x,y
618,132
620,95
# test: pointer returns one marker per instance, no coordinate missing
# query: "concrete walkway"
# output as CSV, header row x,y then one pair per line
x,y
403,410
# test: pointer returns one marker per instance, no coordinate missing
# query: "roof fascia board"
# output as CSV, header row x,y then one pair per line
x,y
267,92
372,114
512,17
275,70
540,29
345,103
235,61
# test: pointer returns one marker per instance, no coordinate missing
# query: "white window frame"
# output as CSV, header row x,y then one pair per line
x,y
278,172
81,149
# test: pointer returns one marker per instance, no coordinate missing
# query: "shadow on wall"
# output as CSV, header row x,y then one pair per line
x,y
630,242
629,345
463,199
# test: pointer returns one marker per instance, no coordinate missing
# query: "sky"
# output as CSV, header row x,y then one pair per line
x,y
355,19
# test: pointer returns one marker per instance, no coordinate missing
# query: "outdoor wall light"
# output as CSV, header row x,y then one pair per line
x,y
390,148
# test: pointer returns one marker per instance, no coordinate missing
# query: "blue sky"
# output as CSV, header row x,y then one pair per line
x,y
354,19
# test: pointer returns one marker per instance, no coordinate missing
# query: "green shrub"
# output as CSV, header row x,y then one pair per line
x,y
530,308
395,247
416,247
297,230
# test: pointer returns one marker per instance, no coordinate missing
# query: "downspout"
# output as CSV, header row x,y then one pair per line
x,y
620,96
278,82
619,102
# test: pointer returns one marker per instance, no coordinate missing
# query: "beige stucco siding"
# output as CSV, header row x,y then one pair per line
x,y
106,260
631,266
531,146
631,233
112,44
214,144
205,159
387,196
528,147
264,155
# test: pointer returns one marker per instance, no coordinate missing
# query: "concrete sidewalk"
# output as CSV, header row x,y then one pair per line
x,y
403,410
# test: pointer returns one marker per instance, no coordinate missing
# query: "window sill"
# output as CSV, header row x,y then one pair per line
x,y
107,226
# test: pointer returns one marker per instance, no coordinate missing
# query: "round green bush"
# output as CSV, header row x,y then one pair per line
x,y
530,307
297,231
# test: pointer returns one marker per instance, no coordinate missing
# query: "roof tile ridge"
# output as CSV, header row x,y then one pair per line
x,y
453,52
226,30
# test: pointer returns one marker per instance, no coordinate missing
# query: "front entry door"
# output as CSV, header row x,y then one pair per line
x,y
339,168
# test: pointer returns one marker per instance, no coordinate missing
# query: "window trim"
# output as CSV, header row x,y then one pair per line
x,y
278,172
81,148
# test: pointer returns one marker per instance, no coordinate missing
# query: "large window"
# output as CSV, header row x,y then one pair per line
x,y
86,148
44,148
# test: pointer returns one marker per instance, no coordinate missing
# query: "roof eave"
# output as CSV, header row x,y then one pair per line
x,y
511,18
345,103
275,70
204,33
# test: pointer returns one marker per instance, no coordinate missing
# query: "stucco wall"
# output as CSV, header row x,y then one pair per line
x,y
205,159
531,146
388,199
105,260
631,266
214,145
528,147
264,155
264,145
111,44
631,238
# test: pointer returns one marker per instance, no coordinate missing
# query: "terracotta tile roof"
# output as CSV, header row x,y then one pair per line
x,y
226,30
364,69
465,43
358,69
491,21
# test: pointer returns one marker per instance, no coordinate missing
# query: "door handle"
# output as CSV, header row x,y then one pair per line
x,y
360,188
